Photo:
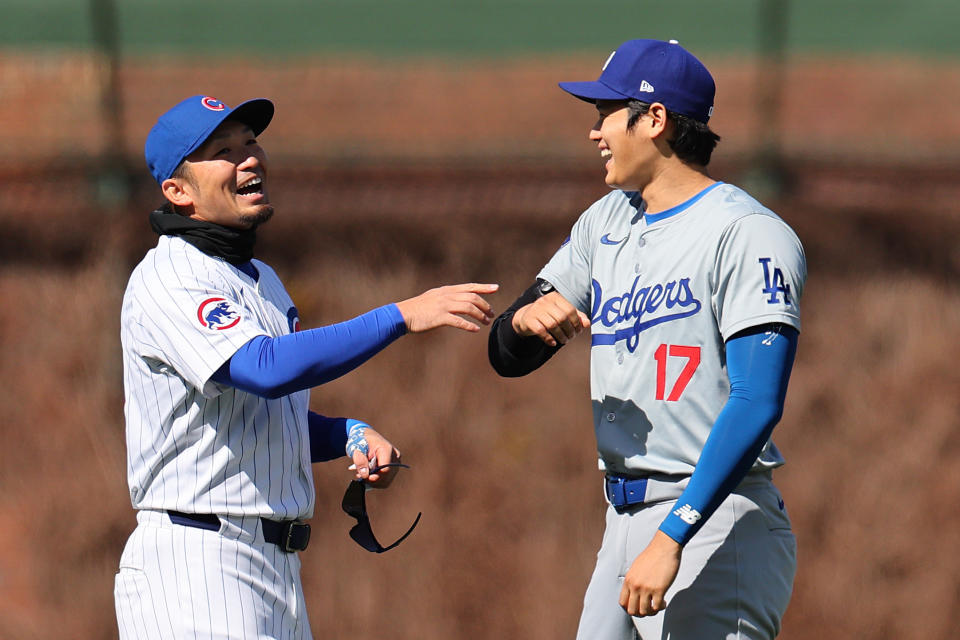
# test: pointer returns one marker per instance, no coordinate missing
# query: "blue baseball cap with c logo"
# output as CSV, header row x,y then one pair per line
x,y
652,71
181,130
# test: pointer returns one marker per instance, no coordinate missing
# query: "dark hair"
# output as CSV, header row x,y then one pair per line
x,y
693,141
182,172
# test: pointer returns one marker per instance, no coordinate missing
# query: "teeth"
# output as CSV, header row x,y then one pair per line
x,y
606,153
250,183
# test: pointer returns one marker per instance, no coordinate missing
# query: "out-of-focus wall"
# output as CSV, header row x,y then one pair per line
x,y
426,142
75,71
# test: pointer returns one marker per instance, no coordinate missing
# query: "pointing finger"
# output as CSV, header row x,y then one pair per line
x,y
481,288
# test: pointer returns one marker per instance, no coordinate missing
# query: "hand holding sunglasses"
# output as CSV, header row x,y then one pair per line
x,y
355,505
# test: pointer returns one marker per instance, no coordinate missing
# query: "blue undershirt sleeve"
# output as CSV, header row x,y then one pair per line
x,y
328,436
275,367
759,362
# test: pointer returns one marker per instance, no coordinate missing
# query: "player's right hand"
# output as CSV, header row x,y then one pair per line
x,y
448,306
650,576
551,318
379,451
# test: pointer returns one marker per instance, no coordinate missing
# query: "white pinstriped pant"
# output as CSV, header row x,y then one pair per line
x,y
183,582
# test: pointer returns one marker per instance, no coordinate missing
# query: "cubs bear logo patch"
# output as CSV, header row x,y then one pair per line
x,y
293,319
217,314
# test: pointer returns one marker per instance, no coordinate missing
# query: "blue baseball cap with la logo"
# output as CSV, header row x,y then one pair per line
x,y
652,71
181,130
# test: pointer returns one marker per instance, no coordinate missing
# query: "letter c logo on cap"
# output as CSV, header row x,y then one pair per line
x,y
213,104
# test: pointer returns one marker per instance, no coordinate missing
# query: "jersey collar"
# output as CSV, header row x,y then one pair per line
x,y
653,218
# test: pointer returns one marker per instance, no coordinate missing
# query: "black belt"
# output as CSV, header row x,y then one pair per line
x,y
289,535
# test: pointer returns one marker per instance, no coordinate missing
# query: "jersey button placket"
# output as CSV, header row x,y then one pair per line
x,y
641,243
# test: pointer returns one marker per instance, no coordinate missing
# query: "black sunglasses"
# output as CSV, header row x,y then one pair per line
x,y
355,505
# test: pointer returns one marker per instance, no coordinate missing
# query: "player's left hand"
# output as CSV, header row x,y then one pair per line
x,y
651,574
551,318
379,451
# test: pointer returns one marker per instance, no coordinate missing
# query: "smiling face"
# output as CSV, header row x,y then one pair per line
x,y
225,180
630,154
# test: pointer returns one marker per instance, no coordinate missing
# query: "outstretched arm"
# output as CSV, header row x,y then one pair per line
x,y
759,362
274,367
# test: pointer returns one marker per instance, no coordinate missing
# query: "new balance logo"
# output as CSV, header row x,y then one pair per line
x,y
688,514
646,87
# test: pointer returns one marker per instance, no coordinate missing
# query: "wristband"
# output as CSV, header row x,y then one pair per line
x,y
357,437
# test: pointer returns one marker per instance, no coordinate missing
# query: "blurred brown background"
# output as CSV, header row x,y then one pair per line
x,y
426,145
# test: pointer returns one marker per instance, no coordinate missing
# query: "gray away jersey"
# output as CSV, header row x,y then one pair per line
x,y
193,445
662,299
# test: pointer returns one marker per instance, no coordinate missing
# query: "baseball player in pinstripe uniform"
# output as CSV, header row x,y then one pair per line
x,y
690,291
216,378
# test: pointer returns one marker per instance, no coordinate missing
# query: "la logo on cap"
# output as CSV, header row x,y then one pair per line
x,y
212,103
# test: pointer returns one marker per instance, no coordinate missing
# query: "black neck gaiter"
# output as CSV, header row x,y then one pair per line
x,y
233,245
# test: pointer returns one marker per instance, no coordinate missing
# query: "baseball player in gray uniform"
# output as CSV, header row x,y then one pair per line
x,y
217,376
690,289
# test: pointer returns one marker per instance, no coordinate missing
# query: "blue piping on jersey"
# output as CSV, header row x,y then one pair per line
x,y
249,269
653,218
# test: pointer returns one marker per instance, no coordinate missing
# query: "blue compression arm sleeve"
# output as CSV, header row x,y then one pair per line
x,y
758,364
328,436
275,367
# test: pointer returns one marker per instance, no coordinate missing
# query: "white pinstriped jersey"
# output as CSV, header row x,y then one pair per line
x,y
192,444
662,298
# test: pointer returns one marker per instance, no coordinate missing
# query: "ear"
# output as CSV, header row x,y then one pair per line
x,y
658,119
176,190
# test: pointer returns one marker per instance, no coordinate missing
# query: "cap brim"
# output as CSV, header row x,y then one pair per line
x,y
592,91
256,114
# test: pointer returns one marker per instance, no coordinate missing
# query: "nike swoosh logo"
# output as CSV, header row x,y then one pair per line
x,y
606,240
